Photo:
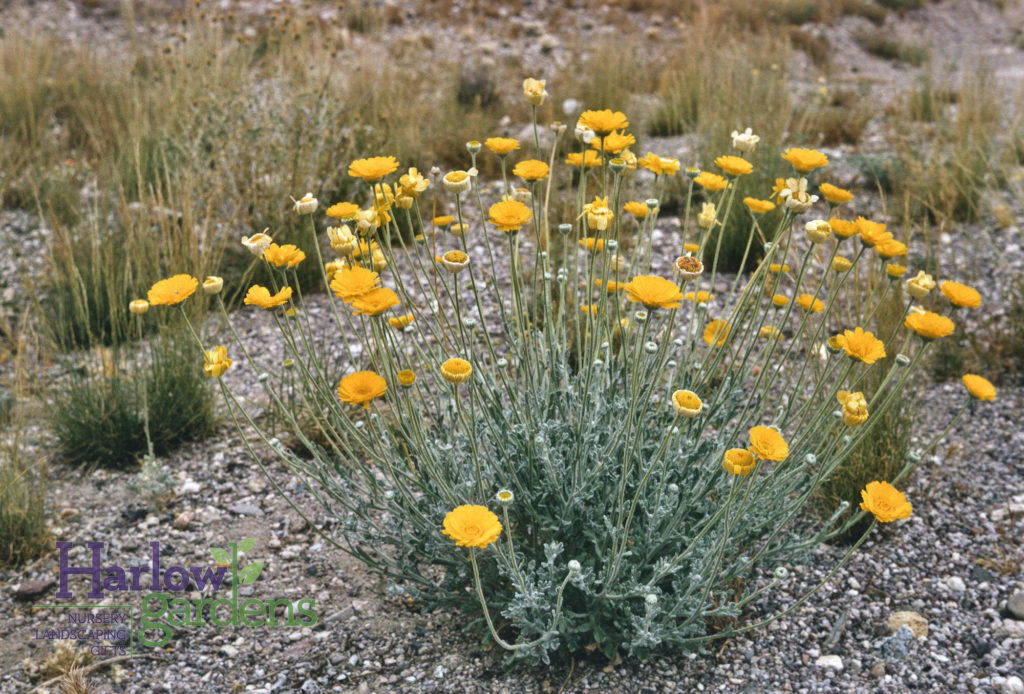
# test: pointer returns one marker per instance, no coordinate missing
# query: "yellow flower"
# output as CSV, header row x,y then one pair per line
x,y
442,221
920,284
413,183
614,142
871,233
361,387
610,286
818,231
885,502
588,159
810,304
960,295
501,145
599,215
734,166
173,290
138,307
372,169
890,248
661,166
635,208
767,443
776,268
603,122
855,408
691,247
738,461
353,281
841,264
836,196
862,345
286,255
534,91
759,206
804,160
768,332
979,387
710,181
895,271
406,377
930,326
216,362
699,297
843,228
780,300
509,215
260,296
373,302
400,322
343,210
456,370
686,403
592,244
472,526
716,332
531,170
653,292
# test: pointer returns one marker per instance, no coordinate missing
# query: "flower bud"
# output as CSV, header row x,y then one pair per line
x,y
473,146
138,307
505,497
564,229
574,566
213,285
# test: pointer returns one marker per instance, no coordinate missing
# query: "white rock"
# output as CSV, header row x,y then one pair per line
x,y
1012,685
229,651
832,662
955,584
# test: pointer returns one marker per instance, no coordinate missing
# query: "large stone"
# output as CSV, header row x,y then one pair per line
x,y
897,646
831,662
1015,605
26,590
918,624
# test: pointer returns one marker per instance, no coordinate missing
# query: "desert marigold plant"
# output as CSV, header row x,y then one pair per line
x,y
527,419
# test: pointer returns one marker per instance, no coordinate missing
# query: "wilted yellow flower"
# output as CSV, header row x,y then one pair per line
x,y
979,387
653,292
534,91
599,215
767,443
213,285
759,206
841,264
836,196
686,403
307,204
280,256
373,302
603,122
930,326
855,408
699,297
885,502
472,526
920,284
216,362
343,210
810,304
531,170
509,215
343,241
734,166
792,192
588,159
257,243
711,181
614,142
716,332
738,461
804,160
745,141
862,345
413,182
261,296
361,387
501,145
400,322
843,228
687,268
707,217
372,169
173,290
406,377
456,370
138,307
353,281
818,231
661,166
960,295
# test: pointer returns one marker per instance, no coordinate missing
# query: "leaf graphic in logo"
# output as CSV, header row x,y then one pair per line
x,y
246,545
251,572
221,556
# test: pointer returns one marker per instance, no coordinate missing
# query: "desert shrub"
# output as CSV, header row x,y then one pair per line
x,y
608,424
152,401
881,43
